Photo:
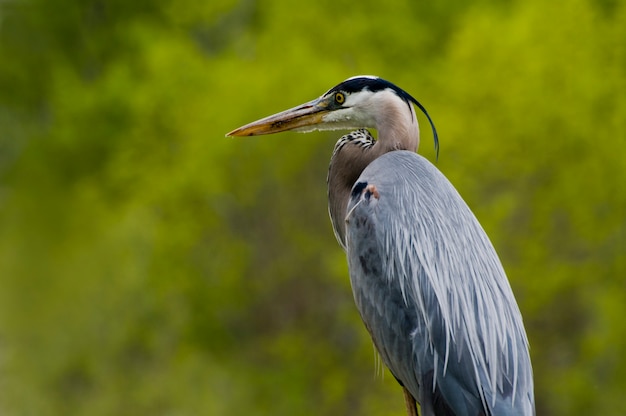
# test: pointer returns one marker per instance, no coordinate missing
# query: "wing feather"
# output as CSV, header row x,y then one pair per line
x,y
433,294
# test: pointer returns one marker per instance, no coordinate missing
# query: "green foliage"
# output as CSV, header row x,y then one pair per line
x,y
148,265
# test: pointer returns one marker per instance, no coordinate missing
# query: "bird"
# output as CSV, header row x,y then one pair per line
x,y
426,280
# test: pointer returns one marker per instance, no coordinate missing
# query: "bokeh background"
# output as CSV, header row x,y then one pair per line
x,y
151,266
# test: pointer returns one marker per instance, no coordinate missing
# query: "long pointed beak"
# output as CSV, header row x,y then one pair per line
x,y
297,118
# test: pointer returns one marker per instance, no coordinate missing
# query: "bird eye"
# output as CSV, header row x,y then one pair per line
x,y
340,98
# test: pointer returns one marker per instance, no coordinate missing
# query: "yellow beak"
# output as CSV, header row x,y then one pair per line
x,y
297,118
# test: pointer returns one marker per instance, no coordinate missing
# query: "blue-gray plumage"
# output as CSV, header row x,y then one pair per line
x,y
432,293
426,280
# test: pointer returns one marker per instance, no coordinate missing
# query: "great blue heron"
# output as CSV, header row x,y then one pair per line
x,y
426,279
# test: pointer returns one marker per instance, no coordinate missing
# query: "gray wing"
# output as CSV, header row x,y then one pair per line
x,y
432,293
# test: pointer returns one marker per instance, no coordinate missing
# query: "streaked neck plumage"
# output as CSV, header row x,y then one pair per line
x,y
397,128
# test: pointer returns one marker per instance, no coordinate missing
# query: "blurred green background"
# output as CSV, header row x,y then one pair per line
x,y
151,266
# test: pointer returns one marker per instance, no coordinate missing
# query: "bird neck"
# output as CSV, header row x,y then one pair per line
x,y
397,130
397,127
352,153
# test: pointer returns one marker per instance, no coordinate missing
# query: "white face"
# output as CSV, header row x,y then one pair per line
x,y
363,109
355,112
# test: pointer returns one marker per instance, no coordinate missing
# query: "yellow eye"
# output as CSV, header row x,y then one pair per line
x,y
340,98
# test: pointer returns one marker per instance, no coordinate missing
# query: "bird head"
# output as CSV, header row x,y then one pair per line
x,y
358,102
